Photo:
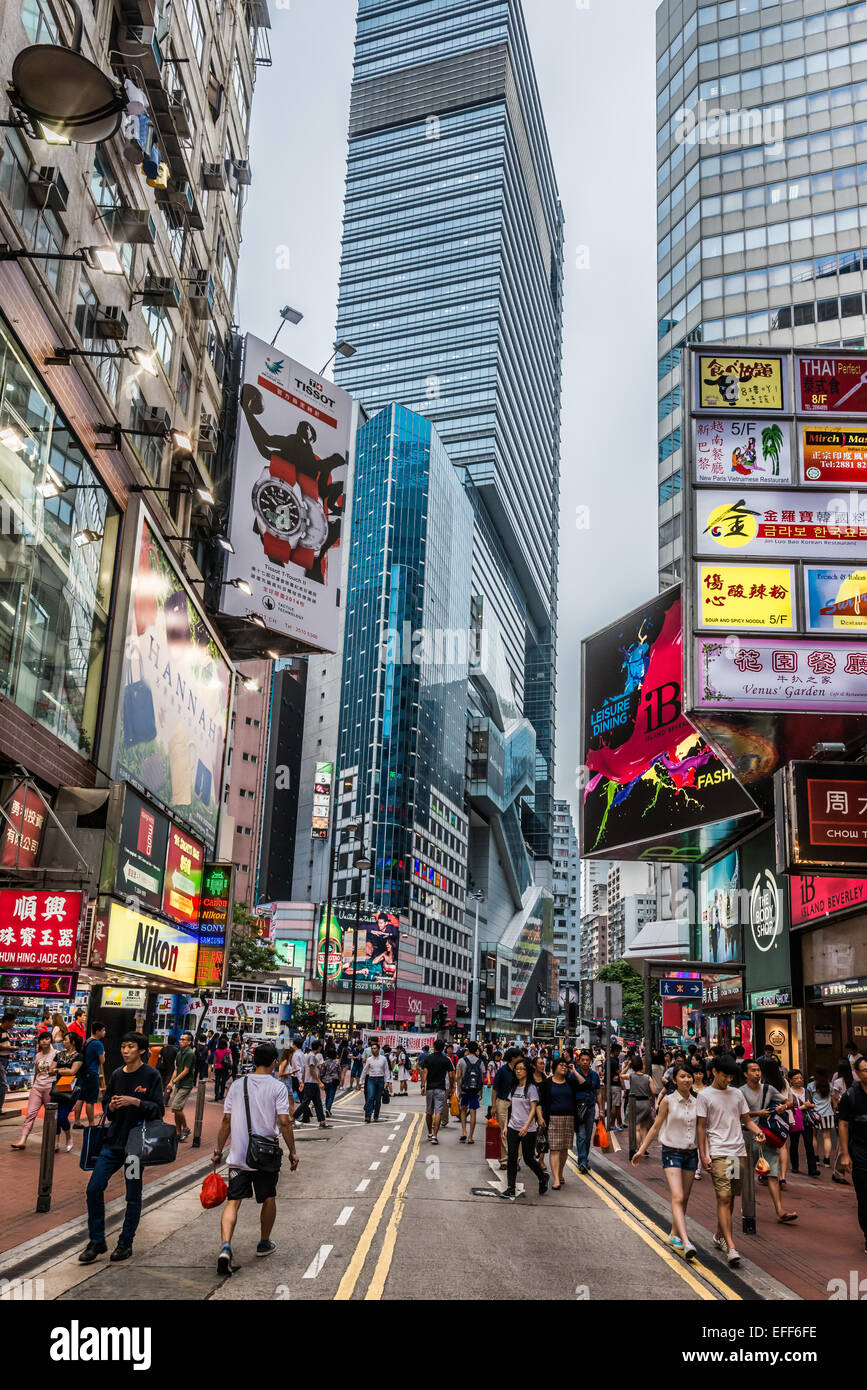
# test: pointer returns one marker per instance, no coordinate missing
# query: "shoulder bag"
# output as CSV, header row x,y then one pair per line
x,y
775,1127
92,1142
153,1142
264,1154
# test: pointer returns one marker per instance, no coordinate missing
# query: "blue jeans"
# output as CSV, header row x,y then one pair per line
x,y
330,1093
584,1134
374,1087
107,1164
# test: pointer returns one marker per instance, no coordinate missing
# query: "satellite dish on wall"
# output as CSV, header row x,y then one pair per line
x,y
61,89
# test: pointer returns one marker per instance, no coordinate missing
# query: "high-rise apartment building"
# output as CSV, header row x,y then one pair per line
x,y
762,224
631,900
451,293
566,880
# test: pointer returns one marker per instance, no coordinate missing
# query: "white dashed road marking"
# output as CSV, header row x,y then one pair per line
x,y
374,1166
363,1185
344,1216
318,1261
385,1148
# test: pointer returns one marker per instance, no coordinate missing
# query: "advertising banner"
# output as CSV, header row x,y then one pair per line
x,y
650,775
378,949
322,789
836,599
119,998
141,854
182,889
412,1043
746,596
779,524
22,832
148,946
722,993
834,454
779,673
742,453
815,898
38,986
740,382
719,903
288,496
766,934
39,930
214,925
333,934
170,737
827,385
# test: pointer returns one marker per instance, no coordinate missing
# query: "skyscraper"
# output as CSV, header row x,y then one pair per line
x,y
567,909
451,292
762,226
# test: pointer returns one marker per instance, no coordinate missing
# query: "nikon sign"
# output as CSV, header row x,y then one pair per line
x,y
766,936
150,947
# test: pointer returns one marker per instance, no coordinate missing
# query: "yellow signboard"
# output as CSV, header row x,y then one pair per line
x,y
150,947
740,382
746,596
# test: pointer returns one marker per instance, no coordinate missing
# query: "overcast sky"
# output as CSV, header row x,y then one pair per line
x,y
595,62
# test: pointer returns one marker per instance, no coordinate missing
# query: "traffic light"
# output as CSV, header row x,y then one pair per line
x,y
438,1017
690,1027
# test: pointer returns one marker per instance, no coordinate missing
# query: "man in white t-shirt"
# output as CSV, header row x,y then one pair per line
x,y
722,1114
312,1087
268,1101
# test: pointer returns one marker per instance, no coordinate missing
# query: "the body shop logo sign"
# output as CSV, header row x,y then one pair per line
x,y
765,917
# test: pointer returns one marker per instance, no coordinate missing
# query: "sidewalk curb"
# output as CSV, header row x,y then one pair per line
x,y
32,1255
749,1280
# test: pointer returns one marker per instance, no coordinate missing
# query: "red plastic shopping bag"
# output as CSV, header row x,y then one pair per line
x,y
214,1191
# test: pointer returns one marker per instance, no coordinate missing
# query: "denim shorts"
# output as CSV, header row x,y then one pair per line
x,y
687,1159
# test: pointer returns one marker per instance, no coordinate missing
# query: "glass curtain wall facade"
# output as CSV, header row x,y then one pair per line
x,y
451,292
402,740
762,215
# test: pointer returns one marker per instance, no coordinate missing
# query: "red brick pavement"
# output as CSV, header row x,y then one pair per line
x,y
19,1175
825,1243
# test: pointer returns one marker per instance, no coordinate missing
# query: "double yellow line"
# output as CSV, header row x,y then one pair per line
x,y
346,1287
652,1236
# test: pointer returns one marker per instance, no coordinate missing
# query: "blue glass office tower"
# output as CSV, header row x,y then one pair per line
x,y
451,292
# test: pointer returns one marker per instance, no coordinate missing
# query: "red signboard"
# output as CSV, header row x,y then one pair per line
x,y
27,811
832,384
182,888
410,1005
39,930
835,454
837,812
816,897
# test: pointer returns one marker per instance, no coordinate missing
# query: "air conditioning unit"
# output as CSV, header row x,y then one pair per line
x,y
179,194
213,177
161,292
49,188
201,296
208,435
139,12
110,321
133,226
179,108
243,172
154,420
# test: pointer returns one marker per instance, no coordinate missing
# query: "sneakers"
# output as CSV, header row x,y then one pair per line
x,y
583,1168
91,1250
224,1259
265,1247
689,1252
720,1243
434,1139
508,1192
69,1148
676,1243
120,1252
733,1258
323,1125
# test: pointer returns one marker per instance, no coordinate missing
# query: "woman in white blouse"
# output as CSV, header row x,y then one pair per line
x,y
675,1124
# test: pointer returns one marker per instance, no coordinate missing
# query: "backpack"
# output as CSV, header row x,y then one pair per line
x,y
472,1078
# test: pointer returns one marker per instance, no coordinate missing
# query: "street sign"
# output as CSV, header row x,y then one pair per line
x,y
680,989
607,1000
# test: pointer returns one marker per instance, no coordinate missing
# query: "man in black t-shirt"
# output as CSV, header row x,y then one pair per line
x,y
134,1093
436,1085
852,1119
166,1059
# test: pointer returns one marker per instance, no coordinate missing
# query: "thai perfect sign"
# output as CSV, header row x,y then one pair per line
x,y
742,452
170,735
738,382
288,497
39,931
826,385
822,816
733,524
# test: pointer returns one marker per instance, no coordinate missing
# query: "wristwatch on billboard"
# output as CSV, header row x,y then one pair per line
x,y
289,514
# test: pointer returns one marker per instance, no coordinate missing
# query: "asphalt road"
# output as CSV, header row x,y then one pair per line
x,y
376,1212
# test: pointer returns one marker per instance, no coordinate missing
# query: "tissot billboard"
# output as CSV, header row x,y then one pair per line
x,y
651,778
288,497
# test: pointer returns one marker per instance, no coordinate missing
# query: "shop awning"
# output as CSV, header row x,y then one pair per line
x,y
661,940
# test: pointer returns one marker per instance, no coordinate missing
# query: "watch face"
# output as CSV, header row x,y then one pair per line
x,y
278,507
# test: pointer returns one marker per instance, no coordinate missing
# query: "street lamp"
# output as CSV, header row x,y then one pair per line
x,y
287,315
479,897
345,349
58,87
362,862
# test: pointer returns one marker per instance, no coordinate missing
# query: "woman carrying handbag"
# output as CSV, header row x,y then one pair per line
x,y
559,1099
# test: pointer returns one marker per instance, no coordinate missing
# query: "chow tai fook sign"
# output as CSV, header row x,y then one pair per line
x,y
145,945
175,678
39,931
822,817
775,646
288,497
652,781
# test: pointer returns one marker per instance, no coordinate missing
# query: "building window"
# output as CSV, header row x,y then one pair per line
x,y
148,447
162,332
106,194
39,22
54,595
240,91
106,368
197,28
185,386
41,230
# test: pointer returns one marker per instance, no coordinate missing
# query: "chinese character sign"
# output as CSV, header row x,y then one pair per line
x,y
780,673
740,382
815,524
743,596
827,385
837,811
836,599
22,832
39,930
834,455
742,452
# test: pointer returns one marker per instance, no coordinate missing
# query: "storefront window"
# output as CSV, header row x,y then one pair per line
x,y
54,588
